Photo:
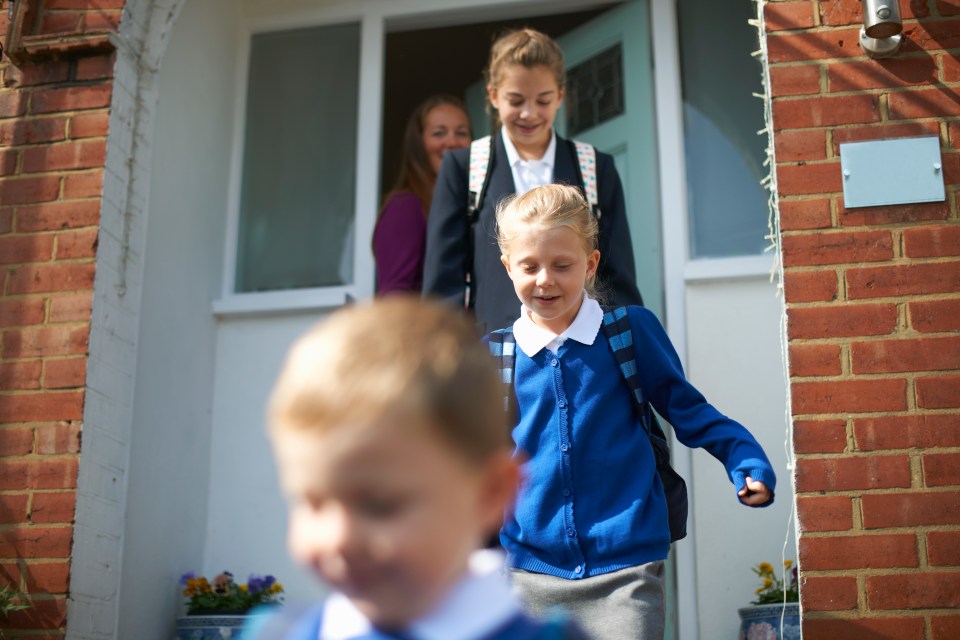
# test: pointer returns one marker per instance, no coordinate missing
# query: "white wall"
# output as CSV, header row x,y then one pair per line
x,y
734,358
170,446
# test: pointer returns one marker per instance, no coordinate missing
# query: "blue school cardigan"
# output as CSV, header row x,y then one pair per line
x,y
592,502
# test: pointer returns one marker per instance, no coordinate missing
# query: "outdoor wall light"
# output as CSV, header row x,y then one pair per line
x,y
880,36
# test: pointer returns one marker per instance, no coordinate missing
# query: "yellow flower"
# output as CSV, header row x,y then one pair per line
x,y
787,564
276,587
759,590
767,582
243,588
766,568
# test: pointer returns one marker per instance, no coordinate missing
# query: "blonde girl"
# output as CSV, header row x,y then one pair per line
x,y
525,87
589,531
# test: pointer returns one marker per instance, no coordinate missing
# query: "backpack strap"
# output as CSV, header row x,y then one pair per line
x,y
503,347
478,178
587,164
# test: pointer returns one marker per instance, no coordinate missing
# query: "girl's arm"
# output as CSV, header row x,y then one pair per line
x,y
696,422
617,269
444,265
399,241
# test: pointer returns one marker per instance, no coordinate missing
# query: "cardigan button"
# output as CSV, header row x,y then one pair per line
x,y
554,362
564,447
579,569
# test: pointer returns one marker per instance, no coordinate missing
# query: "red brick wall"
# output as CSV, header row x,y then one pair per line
x,y
53,127
873,307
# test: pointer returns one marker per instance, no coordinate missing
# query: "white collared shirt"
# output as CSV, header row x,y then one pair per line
x,y
584,329
528,174
458,617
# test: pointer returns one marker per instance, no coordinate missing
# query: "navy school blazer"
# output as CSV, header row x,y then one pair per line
x,y
448,233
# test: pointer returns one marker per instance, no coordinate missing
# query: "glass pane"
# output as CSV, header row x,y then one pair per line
x,y
728,207
595,90
297,196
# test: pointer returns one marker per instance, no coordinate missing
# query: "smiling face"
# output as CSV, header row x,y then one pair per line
x,y
527,101
388,515
549,267
445,127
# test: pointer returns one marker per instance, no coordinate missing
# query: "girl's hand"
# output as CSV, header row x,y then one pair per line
x,y
754,493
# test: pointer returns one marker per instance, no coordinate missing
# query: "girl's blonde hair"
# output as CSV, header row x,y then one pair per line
x,y
528,48
549,207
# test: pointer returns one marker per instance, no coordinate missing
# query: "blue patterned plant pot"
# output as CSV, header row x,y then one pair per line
x,y
770,622
212,627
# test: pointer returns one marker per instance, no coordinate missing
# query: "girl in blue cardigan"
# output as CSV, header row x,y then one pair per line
x,y
590,530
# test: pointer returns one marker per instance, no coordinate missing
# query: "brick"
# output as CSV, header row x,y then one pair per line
x,y
82,185
852,473
16,441
71,98
42,407
808,179
89,125
101,21
799,113
20,375
53,22
98,67
922,103
797,215
804,46
948,7
64,156
55,341
898,214
794,80
914,591
41,72
43,576
801,146
52,473
36,542
945,627
42,614
938,392
32,131
71,307
28,190
8,161
862,75
55,277
77,244
828,594
21,312
951,68
808,360
901,280
941,469
929,35
934,316
824,513
788,15
83,4
13,103
906,432
883,131
58,438
56,507
805,250
892,356
932,242
862,628
943,548
13,508
848,396
58,215
819,436
6,220
951,167
910,509
20,249
810,286
858,552
845,320
65,374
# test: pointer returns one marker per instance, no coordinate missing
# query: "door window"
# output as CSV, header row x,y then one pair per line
x,y
296,205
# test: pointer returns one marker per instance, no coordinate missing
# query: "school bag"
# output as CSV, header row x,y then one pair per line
x,y
478,178
616,328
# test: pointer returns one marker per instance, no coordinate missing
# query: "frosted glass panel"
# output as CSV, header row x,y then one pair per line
x,y
727,205
297,196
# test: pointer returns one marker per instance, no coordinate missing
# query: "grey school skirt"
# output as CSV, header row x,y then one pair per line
x,y
622,605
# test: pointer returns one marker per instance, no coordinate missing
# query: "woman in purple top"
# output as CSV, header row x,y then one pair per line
x,y
438,124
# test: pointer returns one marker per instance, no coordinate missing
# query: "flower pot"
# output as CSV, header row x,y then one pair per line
x,y
770,621
210,627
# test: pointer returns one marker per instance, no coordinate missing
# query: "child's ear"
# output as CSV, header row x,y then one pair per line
x,y
506,262
492,96
593,261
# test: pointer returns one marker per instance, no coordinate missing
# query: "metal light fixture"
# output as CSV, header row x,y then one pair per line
x,y
880,36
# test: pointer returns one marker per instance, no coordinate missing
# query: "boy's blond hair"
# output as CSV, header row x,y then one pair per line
x,y
549,206
398,360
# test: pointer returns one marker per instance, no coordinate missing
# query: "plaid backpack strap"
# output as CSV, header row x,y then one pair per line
x,y
503,347
616,327
587,163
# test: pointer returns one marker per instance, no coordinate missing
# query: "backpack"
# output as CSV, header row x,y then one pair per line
x,y
478,178
616,328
